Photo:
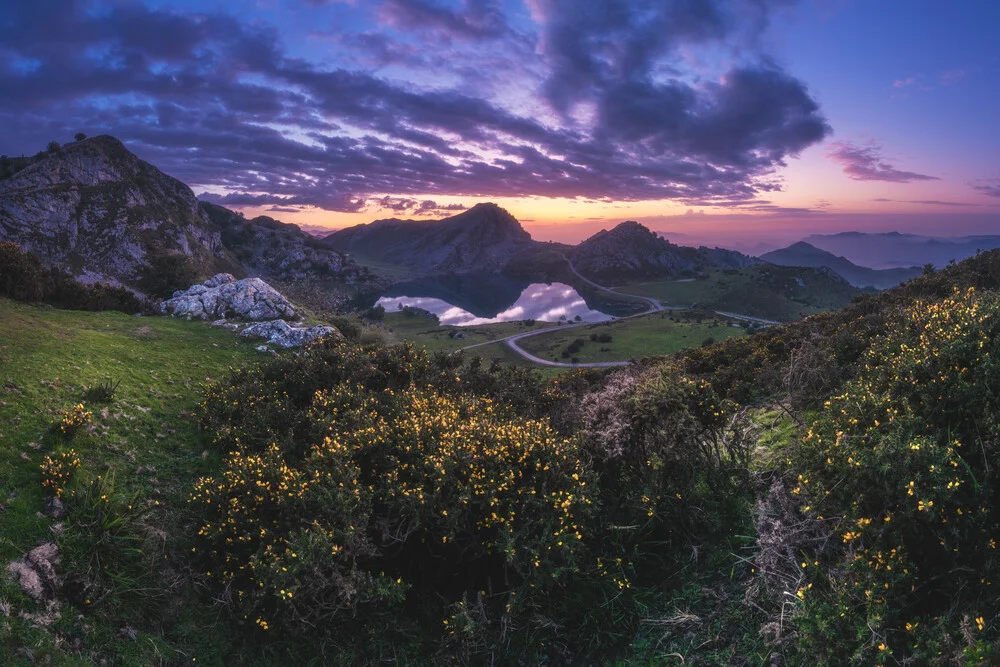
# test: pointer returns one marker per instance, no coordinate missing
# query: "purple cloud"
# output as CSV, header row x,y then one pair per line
x,y
220,103
478,19
927,202
990,188
866,163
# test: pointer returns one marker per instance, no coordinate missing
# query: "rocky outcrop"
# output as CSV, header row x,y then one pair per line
x,y
283,335
224,297
631,250
94,208
483,239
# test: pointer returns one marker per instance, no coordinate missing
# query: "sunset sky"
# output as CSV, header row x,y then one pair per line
x,y
747,123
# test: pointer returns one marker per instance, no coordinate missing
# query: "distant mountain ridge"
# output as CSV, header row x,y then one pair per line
x,y
806,255
487,238
96,210
896,250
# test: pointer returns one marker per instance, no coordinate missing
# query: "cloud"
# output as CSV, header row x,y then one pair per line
x,y
903,83
988,187
866,163
478,19
953,76
596,105
927,202
405,205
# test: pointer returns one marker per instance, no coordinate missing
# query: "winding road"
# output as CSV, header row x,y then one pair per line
x,y
654,307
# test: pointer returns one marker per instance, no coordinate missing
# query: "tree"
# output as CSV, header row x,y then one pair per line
x,y
79,136
53,146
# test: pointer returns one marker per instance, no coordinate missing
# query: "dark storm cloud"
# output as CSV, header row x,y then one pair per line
x,y
220,104
866,163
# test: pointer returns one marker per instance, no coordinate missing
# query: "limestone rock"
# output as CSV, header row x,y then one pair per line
x,y
281,334
224,297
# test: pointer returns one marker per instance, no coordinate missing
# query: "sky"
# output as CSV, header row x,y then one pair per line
x,y
742,123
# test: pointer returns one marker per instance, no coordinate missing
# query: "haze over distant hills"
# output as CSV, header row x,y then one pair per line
x,y
804,254
894,250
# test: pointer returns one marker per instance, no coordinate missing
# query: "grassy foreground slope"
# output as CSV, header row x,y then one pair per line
x,y
147,441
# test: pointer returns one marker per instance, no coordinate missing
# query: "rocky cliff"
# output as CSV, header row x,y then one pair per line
x,y
95,209
631,250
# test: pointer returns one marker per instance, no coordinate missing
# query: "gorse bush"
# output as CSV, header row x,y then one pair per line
x,y
379,483
657,435
413,500
409,490
901,465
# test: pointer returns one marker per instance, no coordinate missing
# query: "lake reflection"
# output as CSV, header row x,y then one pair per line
x,y
538,301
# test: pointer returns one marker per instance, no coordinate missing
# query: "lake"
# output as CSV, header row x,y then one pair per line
x,y
550,302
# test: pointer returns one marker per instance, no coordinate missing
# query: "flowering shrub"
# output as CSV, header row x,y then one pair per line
x,y
73,420
902,465
656,436
58,471
401,489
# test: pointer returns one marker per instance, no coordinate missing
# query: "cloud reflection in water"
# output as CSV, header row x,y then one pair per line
x,y
538,301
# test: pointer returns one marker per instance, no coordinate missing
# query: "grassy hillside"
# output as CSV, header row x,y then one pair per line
x,y
649,335
771,292
147,441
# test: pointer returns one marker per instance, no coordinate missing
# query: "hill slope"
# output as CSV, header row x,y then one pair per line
x,y
631,250
803,254
95,209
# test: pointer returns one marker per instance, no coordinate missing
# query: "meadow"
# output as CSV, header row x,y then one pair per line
x,y
769,292
655,334
146,446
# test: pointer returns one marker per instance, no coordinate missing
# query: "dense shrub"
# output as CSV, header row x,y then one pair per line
x,y
23,277
411,496
660,440
167,272
397,501
901,466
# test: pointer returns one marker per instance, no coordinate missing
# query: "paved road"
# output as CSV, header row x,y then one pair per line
x,y
654,307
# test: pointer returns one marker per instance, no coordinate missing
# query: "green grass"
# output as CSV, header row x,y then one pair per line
x,y
427,333
645,336
146,439
767,291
